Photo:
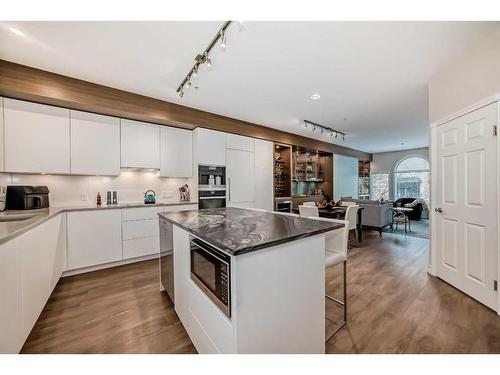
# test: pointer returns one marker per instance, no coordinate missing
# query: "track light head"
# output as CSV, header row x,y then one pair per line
x,y
223,41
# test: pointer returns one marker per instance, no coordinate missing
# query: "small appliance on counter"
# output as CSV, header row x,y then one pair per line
x,y
184,193
3,193
150,197
27,197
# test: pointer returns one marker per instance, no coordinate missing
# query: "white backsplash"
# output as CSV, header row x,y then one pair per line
x,y
130,186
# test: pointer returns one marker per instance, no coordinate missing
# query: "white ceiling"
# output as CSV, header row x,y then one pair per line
x,y
372,76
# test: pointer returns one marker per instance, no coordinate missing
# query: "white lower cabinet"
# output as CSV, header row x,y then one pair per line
x,y
30,266
94,237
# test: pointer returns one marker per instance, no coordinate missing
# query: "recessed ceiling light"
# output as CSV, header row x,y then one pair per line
x,y
16,31
315,96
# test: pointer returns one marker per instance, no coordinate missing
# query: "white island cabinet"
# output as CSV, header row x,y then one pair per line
x,y
276,286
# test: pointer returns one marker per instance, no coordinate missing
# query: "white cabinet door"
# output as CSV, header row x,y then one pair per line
x,y
263,154
240,176
2,164
140,145
43,252
264,188
95,144
176,152
11,293
94,237
210,147
36,138
239,142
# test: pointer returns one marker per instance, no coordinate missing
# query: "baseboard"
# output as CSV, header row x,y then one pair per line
x,y
108,265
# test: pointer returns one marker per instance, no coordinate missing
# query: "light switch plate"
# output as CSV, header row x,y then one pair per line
x,y
84,197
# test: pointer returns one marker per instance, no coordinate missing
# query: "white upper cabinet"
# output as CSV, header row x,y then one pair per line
x,y
210,146
95,144
239,142
264,154
36,138
140,145
240,180
176,152
2,165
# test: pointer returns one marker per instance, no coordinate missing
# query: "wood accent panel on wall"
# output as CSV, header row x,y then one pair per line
x,y
27,83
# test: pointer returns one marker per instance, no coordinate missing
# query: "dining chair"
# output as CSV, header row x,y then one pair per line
x,y
336,253
351,216
307,211
309,204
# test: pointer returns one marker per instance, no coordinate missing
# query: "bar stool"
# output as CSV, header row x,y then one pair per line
x,y
336,253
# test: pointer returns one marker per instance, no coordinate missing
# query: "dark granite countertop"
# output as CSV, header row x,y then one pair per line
x,y
237,231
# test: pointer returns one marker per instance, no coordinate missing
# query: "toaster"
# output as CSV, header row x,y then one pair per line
x,y
26,197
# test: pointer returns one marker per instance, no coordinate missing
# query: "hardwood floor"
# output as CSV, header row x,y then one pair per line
x,y
394,307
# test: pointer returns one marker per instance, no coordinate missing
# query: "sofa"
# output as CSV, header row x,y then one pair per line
x,y
416,214
376,215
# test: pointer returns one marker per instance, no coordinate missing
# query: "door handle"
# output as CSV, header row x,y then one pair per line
x,y
438,209
228,189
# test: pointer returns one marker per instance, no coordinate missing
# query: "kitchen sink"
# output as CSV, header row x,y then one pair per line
x,y
9,218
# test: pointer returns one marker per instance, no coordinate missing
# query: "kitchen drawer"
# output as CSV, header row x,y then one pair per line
x,y
141,213
140,229
140,247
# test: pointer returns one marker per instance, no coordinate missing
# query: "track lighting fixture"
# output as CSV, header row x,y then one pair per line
x,y
323,129
204,58
223,41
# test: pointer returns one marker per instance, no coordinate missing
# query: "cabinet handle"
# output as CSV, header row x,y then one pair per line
x,y
228,189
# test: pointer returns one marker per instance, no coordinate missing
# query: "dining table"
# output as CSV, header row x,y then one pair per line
x,y
338,212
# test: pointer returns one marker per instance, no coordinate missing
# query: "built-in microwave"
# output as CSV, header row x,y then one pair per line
x,y
211,272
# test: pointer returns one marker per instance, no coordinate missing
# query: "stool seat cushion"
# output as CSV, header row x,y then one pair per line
x,y
332,258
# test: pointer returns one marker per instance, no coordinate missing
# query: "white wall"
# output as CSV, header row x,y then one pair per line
x,y
130,186
467,79
385,162
345,177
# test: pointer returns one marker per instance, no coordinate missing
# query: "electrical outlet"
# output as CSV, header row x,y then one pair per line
x,y
167,194
84,197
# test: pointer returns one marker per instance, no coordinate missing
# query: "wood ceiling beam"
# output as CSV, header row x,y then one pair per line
x,y
40,86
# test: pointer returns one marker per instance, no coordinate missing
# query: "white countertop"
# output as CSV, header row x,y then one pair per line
x,y
11,229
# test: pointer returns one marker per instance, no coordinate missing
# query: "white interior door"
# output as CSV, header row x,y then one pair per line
x,y
466,205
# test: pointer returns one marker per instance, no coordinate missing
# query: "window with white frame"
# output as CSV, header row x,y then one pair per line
x,y
379,186
412,178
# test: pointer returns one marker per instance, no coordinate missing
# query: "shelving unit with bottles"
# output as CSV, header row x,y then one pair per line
x,y
312,173
282,171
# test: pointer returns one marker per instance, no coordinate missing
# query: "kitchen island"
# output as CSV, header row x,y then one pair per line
x,y
247,281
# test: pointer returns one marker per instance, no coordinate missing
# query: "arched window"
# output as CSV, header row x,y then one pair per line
x,y
412,178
